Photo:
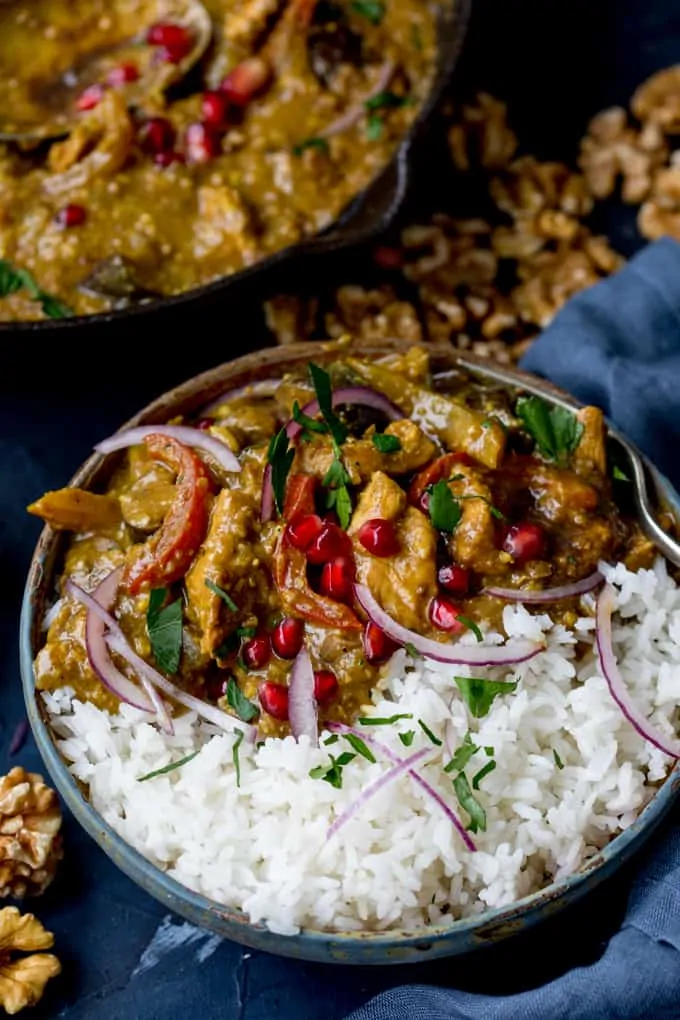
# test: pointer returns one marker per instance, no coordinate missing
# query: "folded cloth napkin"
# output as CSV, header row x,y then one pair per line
x,y
616,345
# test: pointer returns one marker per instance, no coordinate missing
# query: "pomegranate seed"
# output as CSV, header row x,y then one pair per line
x,y
215,109
378,536
525,541
216,688
274,700
202,143
167,158
287,637
171,35
123,74
71,216
337,579
302,532
326,685
246,80
454,579
388,258
377,645
444,615
90,97
157,135
204,424
257,652
330,543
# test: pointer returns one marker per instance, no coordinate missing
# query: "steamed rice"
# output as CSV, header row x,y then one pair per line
x,y
398,862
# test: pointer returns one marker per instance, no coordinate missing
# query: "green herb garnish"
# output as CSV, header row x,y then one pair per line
x,y
411,650
232,641
374,129
321,381
429,734
169,768
337,494
333,739
619,475
336,478
280,458
489,752
469,803
333,773
385,443
479,694
13,280
484,771
471,625
372,10
370,720
462,755
235,757
386,101
309,425
557,759
407,738
236,699
221,593
443,508
359,746
311,143
164,627
556,431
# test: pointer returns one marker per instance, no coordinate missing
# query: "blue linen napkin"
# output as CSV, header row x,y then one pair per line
x,y
616,345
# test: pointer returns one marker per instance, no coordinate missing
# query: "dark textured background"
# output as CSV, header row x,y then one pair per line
x,y
557,64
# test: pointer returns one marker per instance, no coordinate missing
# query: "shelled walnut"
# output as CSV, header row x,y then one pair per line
x,y
23,978
481,135
660,214
30,843
658,100
612,149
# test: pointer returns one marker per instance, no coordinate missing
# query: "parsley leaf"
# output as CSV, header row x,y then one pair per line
x,y
619,475
360,747
237,700
374,128
556,431
13,280
164,627
321,381
225,596
484,771
280,459
168,768
372,10
309,425
235,758
407,738
444,508
469,803
311,143
332,773
337,496
370,720
411,650
386,444
386,101
232,641
479,694
557,759
471,625
333,739
462,755
429,734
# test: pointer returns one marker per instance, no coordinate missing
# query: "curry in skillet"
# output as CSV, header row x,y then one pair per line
x,y
151,146
344,511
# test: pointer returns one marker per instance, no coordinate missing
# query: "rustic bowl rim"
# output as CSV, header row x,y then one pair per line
x,y
394,946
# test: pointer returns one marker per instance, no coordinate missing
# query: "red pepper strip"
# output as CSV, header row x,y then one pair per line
x,y
290,577
443,467
167,555
299,499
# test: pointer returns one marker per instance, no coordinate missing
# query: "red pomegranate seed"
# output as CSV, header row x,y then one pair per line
x,y
274,700
377,645
525,541
89,98
123,74
287,637
454,579
326,685
337,579
330,543
71,216
157,135
303,531
167,158
171,35
246,80
388,258
216,688
379,537
202,143
215,109
204,424
257,652
444,615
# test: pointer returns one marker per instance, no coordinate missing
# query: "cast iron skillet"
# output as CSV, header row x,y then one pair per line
x,y
370,212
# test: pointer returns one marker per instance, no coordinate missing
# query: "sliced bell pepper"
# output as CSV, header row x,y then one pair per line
x,y
299,499
290,577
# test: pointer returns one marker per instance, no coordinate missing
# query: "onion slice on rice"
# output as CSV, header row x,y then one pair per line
x,y
196,438
370,791
564,591
302,713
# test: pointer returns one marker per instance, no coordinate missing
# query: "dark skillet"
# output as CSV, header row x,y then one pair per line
x,y
368,214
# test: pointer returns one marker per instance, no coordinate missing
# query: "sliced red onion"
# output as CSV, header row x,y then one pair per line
x,y
184,433
259,388
564,591
358,110
416,776
463,655
405,765
302,713
267,497
603,635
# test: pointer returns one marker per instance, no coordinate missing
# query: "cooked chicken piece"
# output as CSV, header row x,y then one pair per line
x,y
74,509
146,502
247,21
362,458
254,423
473,543
414,364
591,453
224,221
97,147
559,494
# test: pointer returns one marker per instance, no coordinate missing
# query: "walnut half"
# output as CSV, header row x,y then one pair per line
x,y
30,844
23,978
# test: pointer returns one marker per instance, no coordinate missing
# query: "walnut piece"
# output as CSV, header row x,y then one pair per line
x,y
658,99
23,978
30,843
612,149
482,136
660,215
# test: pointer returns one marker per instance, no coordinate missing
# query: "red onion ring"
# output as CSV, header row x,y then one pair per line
x,y
405,765
358,110
259,388
564,591
302,713
464,655
384,749
184,433
616,683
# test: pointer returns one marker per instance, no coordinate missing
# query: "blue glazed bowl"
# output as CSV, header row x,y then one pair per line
x,y
394,947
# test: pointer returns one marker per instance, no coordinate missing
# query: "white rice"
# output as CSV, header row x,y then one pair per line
x,y
398,862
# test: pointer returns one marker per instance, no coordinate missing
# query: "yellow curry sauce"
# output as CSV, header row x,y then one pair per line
x,y
449,494
182,174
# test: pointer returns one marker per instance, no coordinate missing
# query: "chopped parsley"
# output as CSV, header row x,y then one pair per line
x,y
311,143
321,381
336,479
280,458
429,734
385,443
360,747
235,757
619,475
333,773
374,128
386,101
443,508
462,755
370,720
232,641
470,804
221,593
164,627
558,761
169,768
484,771
309,425
479,694
471,625
411,650
338,498
407,738
333,739
236,699
372,10
13,280
555,430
